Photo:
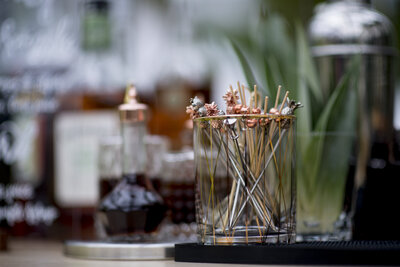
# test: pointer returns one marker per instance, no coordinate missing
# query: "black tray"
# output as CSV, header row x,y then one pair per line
x,y
331,253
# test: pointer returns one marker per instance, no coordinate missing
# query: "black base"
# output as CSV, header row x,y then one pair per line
x,y
332,253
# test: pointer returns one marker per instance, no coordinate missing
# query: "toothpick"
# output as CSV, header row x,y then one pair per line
x,y
233,94
255,96
244,95
266,105
277,96
240,93
283,102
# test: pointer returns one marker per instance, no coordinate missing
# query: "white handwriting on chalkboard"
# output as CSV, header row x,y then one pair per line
x,y
14,141
36,213
31,213
11,192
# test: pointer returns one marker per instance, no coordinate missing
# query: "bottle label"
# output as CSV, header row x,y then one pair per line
x,y
76,141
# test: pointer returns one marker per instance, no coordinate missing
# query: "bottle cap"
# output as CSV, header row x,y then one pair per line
x,y
131,110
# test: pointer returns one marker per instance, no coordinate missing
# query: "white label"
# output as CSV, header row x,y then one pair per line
x,y
76,150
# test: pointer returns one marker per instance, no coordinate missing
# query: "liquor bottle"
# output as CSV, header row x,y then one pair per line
x,y
171,98
133,209
86,116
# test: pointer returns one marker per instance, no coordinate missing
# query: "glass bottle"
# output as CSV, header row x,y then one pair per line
x,y
338,31
132,210
86,114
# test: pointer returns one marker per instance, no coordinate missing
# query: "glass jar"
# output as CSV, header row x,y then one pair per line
x,y
245,179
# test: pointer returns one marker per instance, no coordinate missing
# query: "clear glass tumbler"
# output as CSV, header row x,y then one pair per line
x,y
245,179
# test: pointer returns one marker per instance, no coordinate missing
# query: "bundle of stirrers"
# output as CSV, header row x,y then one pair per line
x,y
198,109
254,149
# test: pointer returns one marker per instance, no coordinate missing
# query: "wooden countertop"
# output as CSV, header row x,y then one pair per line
x,y
49,253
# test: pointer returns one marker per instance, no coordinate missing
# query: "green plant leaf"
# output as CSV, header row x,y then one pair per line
x,y
307,69
338,96
273,39
303,94
248,72
270,81
338,117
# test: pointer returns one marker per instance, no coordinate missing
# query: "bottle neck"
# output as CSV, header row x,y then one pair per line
x,y
96,27
134,149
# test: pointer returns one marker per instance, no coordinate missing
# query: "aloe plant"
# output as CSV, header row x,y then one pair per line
x,y
325,126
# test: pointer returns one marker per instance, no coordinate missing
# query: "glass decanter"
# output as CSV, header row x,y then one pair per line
x,y
133,210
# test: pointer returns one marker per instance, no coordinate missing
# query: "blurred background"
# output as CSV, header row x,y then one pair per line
x,y
64,66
